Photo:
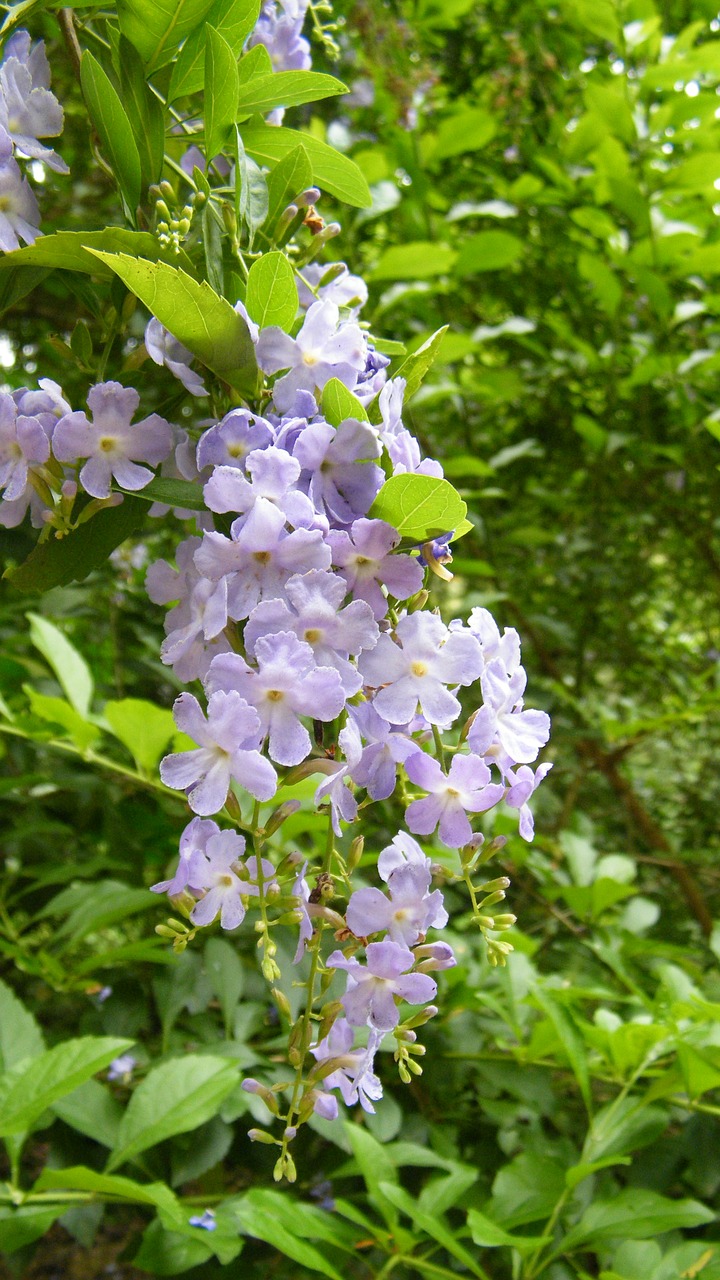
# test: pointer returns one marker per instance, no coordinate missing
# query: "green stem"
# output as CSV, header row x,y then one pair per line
x,y
93,757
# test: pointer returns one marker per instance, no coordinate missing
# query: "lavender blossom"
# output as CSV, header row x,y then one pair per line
x,y
273,476
336,787
23,445
230,441
387,746
354,1075
259,559
344,289
313,610
466,788
28,110
223,753
280,31
286,685
416,670
164,349
402,851
301,894
190,873
363,557
338,469
323,349
19,213
406,915
371,990
224,888
522,785
110,443
502,729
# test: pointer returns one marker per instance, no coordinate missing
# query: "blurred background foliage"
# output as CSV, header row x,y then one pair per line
x,y
546,183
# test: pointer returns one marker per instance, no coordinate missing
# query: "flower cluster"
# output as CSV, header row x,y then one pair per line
x,y
28,112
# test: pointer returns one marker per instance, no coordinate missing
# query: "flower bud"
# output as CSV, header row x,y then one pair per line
x,y
279,815
505,921
282,1002
355,854
310,196
260,1135
261,1091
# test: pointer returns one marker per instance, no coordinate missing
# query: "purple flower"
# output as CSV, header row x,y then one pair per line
x,y
344,289
205,1220
23,444
224,888
401,445
28,110
287,684
19,213
336,787
222,755
312,610
522,785
258,560
364,561
417,669
406,915
401,852
163,583
164,349
273,475
341,478
111,445
193,626
301,893
230,441
323,349
191,867
505,648
371,990
501,729
280,33
466,788
388,746
354,1075
122,1068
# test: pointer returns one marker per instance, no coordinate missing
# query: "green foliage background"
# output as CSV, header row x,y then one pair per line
x,y
544,183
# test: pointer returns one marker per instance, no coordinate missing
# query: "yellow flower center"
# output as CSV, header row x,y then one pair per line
x,y
418,668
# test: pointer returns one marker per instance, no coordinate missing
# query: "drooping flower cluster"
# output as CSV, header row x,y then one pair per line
x,y
304,616
28,111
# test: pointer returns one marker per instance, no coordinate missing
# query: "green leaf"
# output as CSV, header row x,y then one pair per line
x,y
224,969
92,1110
488,251
414,369
338,403
699,1071
418,260
21,1226
20,1035
256,62
158,27
251,189
261,1223
28,1089
56,562
419,507
291,176
145,729
185,495
272,296
111,121
175,1097
79,1178
431,1225
144,112
305,1220
92,906
635,1214
197,316
488,1235
233,20
169,1253
71,251
467,130
286,89
59,712
222,86
570,1039
269,144
69,666
579,1172
376,1166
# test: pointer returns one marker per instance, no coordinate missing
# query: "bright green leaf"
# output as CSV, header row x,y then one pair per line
x,y
20,1035
337,404
158,27
145,729
286,89
488,1235
333,171
59,712
272,296
233,20
69,666
111,121
221,92
262,1223
419,507
28,1089
488,251
286,181
418,260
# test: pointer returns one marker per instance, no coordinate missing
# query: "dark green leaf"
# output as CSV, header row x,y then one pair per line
x,y
224,969
221,92
331,170
232,19
175,1097
419,507
251,190
168,1253
56,562
109,117
197,316
569,1038
144,113
286,89
92,1110
272,296
261,1223
30,1088
21,1226
488,1235
431,1225
635,1214
185,495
